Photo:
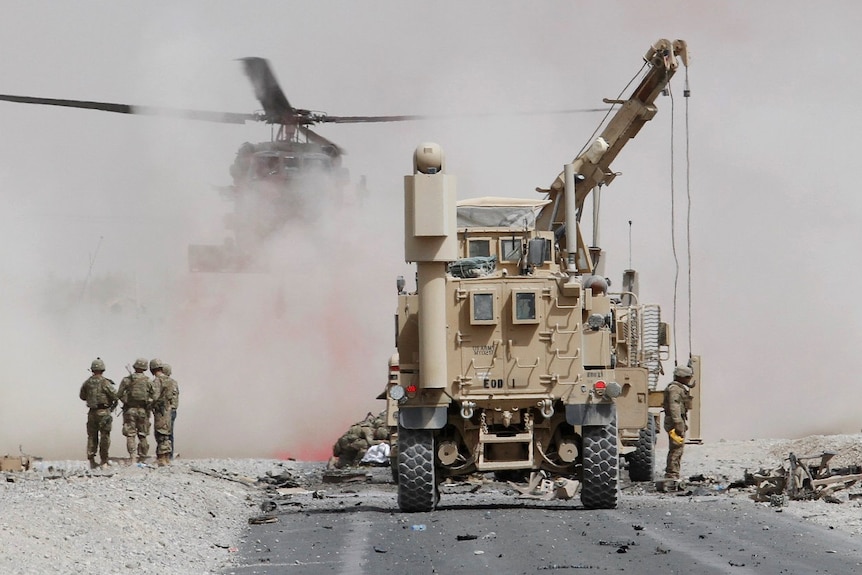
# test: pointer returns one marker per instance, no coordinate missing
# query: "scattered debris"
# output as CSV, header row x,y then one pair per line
x,y
226,476
618,544
284,480
801,481
345,476
17,463
262,519
466,537
288,491
566,488
379,549
542,487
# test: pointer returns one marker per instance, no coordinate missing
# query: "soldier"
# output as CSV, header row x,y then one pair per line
x,y
166,369
101,397
137,394
381,427
351,447
155,364
165,398
677,402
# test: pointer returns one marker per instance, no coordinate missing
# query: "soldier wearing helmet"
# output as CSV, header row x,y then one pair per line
x,y
137,394
166,391
101,397
677,403
166,369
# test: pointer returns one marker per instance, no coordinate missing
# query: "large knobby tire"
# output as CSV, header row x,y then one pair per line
x,y
601,465
417,485
642,459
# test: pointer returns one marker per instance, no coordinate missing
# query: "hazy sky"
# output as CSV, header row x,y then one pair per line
x,y
775,216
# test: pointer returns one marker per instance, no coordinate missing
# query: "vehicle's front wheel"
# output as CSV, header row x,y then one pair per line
x,y
417,485
601,466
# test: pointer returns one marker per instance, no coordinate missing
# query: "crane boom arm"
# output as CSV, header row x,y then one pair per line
x,y
594,163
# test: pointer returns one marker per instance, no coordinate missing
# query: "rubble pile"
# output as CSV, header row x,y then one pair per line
x,y
803,478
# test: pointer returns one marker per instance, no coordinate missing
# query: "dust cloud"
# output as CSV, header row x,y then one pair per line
x,y
99,208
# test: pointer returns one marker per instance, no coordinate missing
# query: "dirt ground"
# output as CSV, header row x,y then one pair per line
x,y
61,517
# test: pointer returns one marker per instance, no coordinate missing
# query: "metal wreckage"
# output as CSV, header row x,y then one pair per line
x,y
803,477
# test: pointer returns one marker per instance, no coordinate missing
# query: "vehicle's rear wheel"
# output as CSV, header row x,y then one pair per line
x,y
642,459
417,485
601,465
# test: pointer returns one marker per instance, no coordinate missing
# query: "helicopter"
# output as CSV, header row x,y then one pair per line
x,y
291,177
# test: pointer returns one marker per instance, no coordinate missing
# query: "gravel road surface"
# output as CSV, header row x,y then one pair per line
x,y
211,516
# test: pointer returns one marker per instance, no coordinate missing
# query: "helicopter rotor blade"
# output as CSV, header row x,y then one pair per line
x,y
202,115
323,118
267,91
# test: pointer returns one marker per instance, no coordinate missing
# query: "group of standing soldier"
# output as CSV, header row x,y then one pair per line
x,y
140,397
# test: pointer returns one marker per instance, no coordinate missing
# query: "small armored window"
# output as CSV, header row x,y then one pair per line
x,y
482,310
479,248
524,307
510,248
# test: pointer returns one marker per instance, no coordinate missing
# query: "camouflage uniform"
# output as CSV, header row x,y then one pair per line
x,y
351,447
677,402
137,394
175,404
101,397
162,423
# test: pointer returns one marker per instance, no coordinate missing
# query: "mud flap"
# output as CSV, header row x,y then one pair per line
x,y
422,417
591,414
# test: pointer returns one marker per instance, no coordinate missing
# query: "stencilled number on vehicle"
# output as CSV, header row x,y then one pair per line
x,y
494,383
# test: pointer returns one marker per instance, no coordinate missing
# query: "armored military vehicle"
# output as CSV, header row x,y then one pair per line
x,y
513,354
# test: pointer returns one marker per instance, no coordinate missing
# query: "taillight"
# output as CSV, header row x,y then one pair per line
x,y
394,370
600,386
411,390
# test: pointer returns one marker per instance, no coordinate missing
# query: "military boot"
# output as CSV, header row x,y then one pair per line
x,y
92,460
163,461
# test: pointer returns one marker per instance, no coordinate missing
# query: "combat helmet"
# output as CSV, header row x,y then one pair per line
x,y
155,364
166,368
140,363
682,371
97,365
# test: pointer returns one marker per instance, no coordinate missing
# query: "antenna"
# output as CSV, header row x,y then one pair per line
x,y
630,244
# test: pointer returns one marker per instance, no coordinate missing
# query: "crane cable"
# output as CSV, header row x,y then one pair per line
x,y
686,94
592,137
672,222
